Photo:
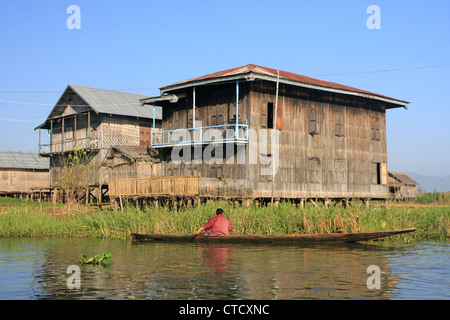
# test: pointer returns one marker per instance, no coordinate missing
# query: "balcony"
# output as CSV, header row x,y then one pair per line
x,y
228,133
67,145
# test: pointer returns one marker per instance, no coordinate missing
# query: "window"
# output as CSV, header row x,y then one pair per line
x,y
279,117
270,111
340,169
174,120
339,124
145,133
68,133
379,173
314,170
375,128
268,118
219,172
312,127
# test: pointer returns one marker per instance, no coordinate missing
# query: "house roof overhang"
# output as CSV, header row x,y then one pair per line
x,y
251,72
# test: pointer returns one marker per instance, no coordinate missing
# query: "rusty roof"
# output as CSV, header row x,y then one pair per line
x,y
250,71
403,179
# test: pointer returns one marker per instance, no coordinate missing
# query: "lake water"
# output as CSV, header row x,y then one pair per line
x,y
36,268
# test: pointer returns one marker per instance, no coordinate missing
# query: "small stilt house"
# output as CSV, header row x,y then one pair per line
x,y
401,186
132,162
261,133
24,175
95,120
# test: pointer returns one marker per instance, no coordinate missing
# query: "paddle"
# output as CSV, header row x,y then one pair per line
x,y
196,234
192,239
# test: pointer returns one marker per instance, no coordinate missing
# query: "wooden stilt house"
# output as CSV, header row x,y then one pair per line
x,y
260,133
24,175
95,120
401,186
132,162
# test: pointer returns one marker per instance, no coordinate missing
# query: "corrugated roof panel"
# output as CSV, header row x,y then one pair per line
x,y
23,160
115,102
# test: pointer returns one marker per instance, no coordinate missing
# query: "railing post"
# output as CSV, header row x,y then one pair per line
x,y
154,123
193,107
51,134
236,133
39,140
62,136
88,130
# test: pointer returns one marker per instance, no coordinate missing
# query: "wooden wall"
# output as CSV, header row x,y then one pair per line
x,y
330,145
327,146
123,168
22,180
215,105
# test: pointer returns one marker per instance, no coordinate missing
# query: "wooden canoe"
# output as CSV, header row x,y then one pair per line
x,y
272,239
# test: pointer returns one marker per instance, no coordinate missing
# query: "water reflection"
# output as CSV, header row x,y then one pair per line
x,y
36,269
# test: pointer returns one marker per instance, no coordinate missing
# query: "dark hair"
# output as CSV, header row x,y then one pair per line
x,y
219,211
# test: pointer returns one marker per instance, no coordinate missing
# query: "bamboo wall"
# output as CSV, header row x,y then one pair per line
x,y
23,180
154,187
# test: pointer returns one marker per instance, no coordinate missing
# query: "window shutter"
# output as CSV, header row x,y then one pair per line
x,y
279,117
312,120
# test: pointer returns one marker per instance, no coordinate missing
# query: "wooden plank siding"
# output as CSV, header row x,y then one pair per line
x,y
213,107
330,145
337,159
18,180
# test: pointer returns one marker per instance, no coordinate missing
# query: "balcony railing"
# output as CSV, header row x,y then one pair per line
x,y
68,145
235,133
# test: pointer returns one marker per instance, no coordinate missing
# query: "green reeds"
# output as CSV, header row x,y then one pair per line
x,y
32,219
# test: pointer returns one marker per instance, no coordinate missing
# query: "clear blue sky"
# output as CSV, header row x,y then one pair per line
x,y
138,46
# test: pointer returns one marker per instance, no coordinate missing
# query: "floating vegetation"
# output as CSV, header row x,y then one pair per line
x,y
95,260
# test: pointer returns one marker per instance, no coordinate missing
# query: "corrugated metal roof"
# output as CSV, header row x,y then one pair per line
x,y
115,102
23,160
293,78
106,102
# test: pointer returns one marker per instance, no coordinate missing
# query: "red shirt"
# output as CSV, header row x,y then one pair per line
x,y
219,225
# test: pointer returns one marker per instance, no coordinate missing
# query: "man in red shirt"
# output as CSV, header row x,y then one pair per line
x,y
217,225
